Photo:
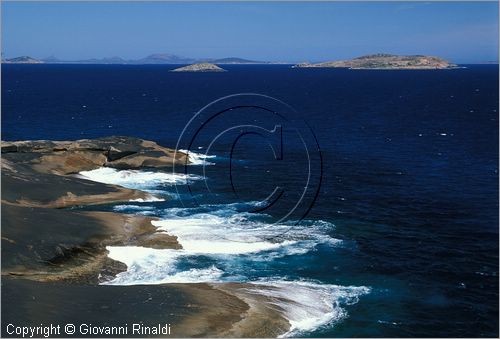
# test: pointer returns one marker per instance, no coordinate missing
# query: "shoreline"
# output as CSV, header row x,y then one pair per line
x,y
56,258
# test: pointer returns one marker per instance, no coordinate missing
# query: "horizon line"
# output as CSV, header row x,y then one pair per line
x,y
191,60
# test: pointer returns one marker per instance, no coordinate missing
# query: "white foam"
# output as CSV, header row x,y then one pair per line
x,y
151,198
136,179
216,236
121,208
195,275
308,305
235,233
209,234
226,236
198,158
156,266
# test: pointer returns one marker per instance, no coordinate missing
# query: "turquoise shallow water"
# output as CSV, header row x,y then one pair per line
x,y
403,237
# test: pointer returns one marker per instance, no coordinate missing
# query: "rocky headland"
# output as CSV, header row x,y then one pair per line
x,y
54,256
43,235
385,62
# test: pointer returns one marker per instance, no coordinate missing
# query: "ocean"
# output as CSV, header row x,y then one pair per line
x,y
395,174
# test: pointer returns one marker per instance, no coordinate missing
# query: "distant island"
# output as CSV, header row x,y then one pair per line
x,y
385,61
153,59
22,60
371,61
200,67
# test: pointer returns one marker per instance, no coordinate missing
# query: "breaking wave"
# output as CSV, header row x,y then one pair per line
x,y
309,305
225,243
137,179
198,158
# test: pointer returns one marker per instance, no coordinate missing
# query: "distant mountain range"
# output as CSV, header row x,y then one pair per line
x,y
371,61
22,60
151,59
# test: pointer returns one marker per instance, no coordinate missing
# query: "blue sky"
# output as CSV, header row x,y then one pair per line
x,y
463,32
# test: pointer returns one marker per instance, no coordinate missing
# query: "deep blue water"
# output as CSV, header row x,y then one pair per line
x,y
409,176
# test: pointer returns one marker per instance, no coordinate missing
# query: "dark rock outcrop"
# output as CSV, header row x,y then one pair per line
x,y
67,157
54,258
41,239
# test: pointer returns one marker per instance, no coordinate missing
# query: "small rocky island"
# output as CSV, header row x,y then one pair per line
x,y
385,62
200,67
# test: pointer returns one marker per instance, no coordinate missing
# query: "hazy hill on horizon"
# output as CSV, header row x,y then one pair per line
x,y
167,58
157,58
